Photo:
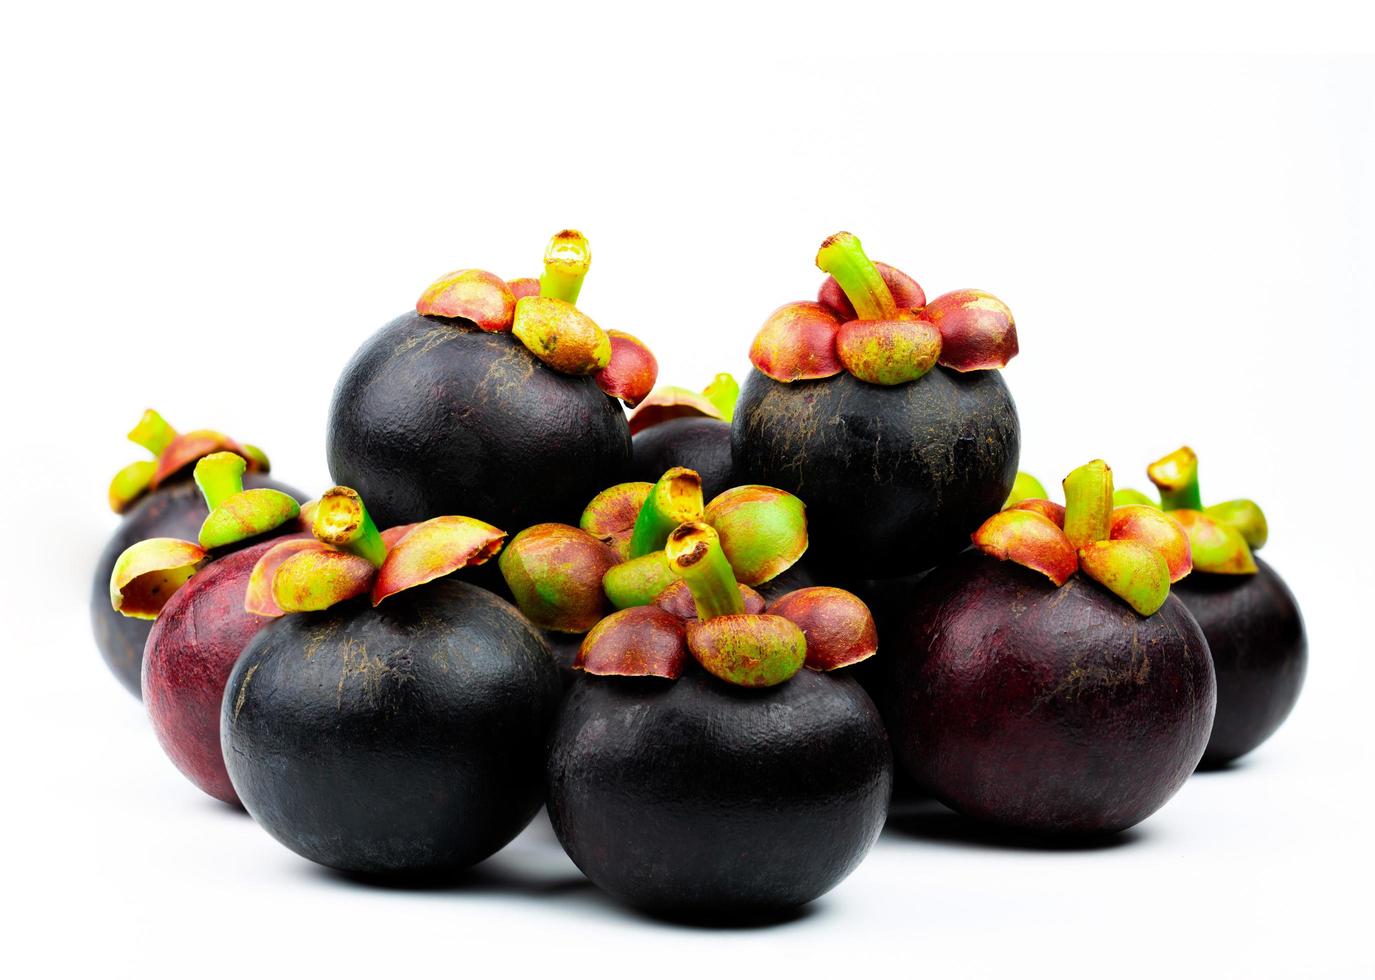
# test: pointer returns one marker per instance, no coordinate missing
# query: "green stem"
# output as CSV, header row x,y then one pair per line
x,y
842,256
342,520
152,433
694,552
674,500
566,261
1088,503
219,476
1176,476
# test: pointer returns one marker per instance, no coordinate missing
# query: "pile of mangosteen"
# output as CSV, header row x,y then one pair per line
x,y
707,635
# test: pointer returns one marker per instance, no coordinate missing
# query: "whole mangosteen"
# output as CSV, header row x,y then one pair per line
x,y
485,401
1252,621
157,500
400,736
1049,702
196,591
873,401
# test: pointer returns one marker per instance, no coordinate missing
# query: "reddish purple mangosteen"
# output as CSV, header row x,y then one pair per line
x,y
678,427
485,401
157,500
1252,621
874,401
696,769
388,720
1048,682
196,592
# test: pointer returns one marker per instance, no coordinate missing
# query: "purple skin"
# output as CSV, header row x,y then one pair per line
x,y
1260,655
1046,711
699,443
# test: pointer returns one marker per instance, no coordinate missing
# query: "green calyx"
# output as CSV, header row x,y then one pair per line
x,y
639,581
675,498
1245,516
342,520
1222,535
1127,497
723,392
694,553
566,261
237,514
843,257
1088,503
1025,487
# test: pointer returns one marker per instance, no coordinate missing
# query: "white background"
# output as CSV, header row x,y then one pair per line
x,y
207,210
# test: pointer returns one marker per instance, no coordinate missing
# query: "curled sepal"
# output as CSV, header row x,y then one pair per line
x,y
146,575
131,483
723,392
434,548
555,574
1030,539
797,343
677,599
1049,509
1216,547
561,335
1155,529
1088,503
907,293
1134,572
259,599
675,499
521,288
977,330
748,650
672,402
638,582
632,370
1244,515
1175,475
237,514
888,352
1126,497
1025,487
763,530
470,294
311,580
839,627
641,642
611,515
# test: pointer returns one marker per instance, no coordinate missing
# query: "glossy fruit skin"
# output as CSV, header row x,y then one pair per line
x,y
406,739
436,417
194,644
701,444
1048,711
1260,653
174,510
894,478
693,797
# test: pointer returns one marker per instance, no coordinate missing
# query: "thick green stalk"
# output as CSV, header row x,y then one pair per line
x,y
219,476
675,499
342,520
566,261
843,257
694,552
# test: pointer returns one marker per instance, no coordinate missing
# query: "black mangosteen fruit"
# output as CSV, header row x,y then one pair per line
x,y
1062,690
875,401
483,401
157,500
1252,621
678,427
696,769
398,736
196,591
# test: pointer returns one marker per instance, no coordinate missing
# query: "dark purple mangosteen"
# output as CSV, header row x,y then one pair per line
x,y
157,500
483,402
1062,691
873,401
1252,621
399,736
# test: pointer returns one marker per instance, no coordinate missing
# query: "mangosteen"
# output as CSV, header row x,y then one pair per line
x,y
398,736
1252,621
157,500
678,427
196,591
1062,691
482,402
873,401
698,770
